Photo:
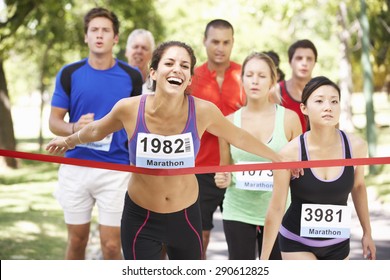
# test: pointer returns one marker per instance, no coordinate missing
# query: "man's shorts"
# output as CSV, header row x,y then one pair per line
x,y
80,187
210,197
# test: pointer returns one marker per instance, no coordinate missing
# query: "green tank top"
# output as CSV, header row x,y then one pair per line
x,y
250,206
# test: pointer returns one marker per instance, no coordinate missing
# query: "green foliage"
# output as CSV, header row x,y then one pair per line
x,y
50,31
259,26
131,14
380,40
31,221
263,25
379,20
381,181
15,14
42,36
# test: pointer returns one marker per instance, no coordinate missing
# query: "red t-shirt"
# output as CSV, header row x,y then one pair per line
x,y
229,98
292,104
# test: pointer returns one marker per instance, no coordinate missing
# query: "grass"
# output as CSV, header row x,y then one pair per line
x,y
31,221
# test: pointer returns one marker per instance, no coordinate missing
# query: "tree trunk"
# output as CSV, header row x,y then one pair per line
x,y
7,136
345,71
44,69
368,87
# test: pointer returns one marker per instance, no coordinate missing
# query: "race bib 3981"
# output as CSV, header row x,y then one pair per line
x,y
325,220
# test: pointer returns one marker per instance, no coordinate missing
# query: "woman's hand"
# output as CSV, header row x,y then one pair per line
x,y
369,249
223,179
58,146
83,121
295,172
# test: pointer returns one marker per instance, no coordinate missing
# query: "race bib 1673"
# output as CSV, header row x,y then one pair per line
x,y
255,180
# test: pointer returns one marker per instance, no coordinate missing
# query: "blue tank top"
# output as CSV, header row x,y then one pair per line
x,y
309,189
141,127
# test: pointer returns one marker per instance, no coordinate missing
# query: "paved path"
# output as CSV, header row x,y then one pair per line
x,y
380,223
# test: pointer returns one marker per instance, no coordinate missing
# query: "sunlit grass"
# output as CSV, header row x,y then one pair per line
x,y
31,221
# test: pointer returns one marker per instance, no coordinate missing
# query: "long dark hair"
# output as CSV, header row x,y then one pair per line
x,y
311,86
275,58
160,50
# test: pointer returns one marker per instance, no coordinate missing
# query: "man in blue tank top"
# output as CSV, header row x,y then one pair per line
x,y
87,90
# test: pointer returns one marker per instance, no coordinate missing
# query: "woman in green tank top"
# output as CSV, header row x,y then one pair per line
x,y
248,193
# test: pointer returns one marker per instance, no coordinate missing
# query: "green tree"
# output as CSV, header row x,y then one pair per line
x,y
16,15
368,87
50,33
378,20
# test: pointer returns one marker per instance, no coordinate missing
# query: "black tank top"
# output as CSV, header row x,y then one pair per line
x,y
309,189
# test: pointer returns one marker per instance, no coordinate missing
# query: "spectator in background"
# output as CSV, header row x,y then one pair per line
x,y
139,49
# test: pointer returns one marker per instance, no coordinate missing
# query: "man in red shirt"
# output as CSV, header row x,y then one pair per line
x,y
218,80
302,56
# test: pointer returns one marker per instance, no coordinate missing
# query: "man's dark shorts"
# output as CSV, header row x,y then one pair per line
x,y
210,197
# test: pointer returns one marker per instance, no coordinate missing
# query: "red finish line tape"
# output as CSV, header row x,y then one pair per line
x,y
200,169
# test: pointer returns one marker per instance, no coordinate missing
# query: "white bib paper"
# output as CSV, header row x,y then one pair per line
x,y
325,220
157,151
256,180
102,145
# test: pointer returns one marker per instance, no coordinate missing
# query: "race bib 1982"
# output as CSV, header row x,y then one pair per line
x,y
157,151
